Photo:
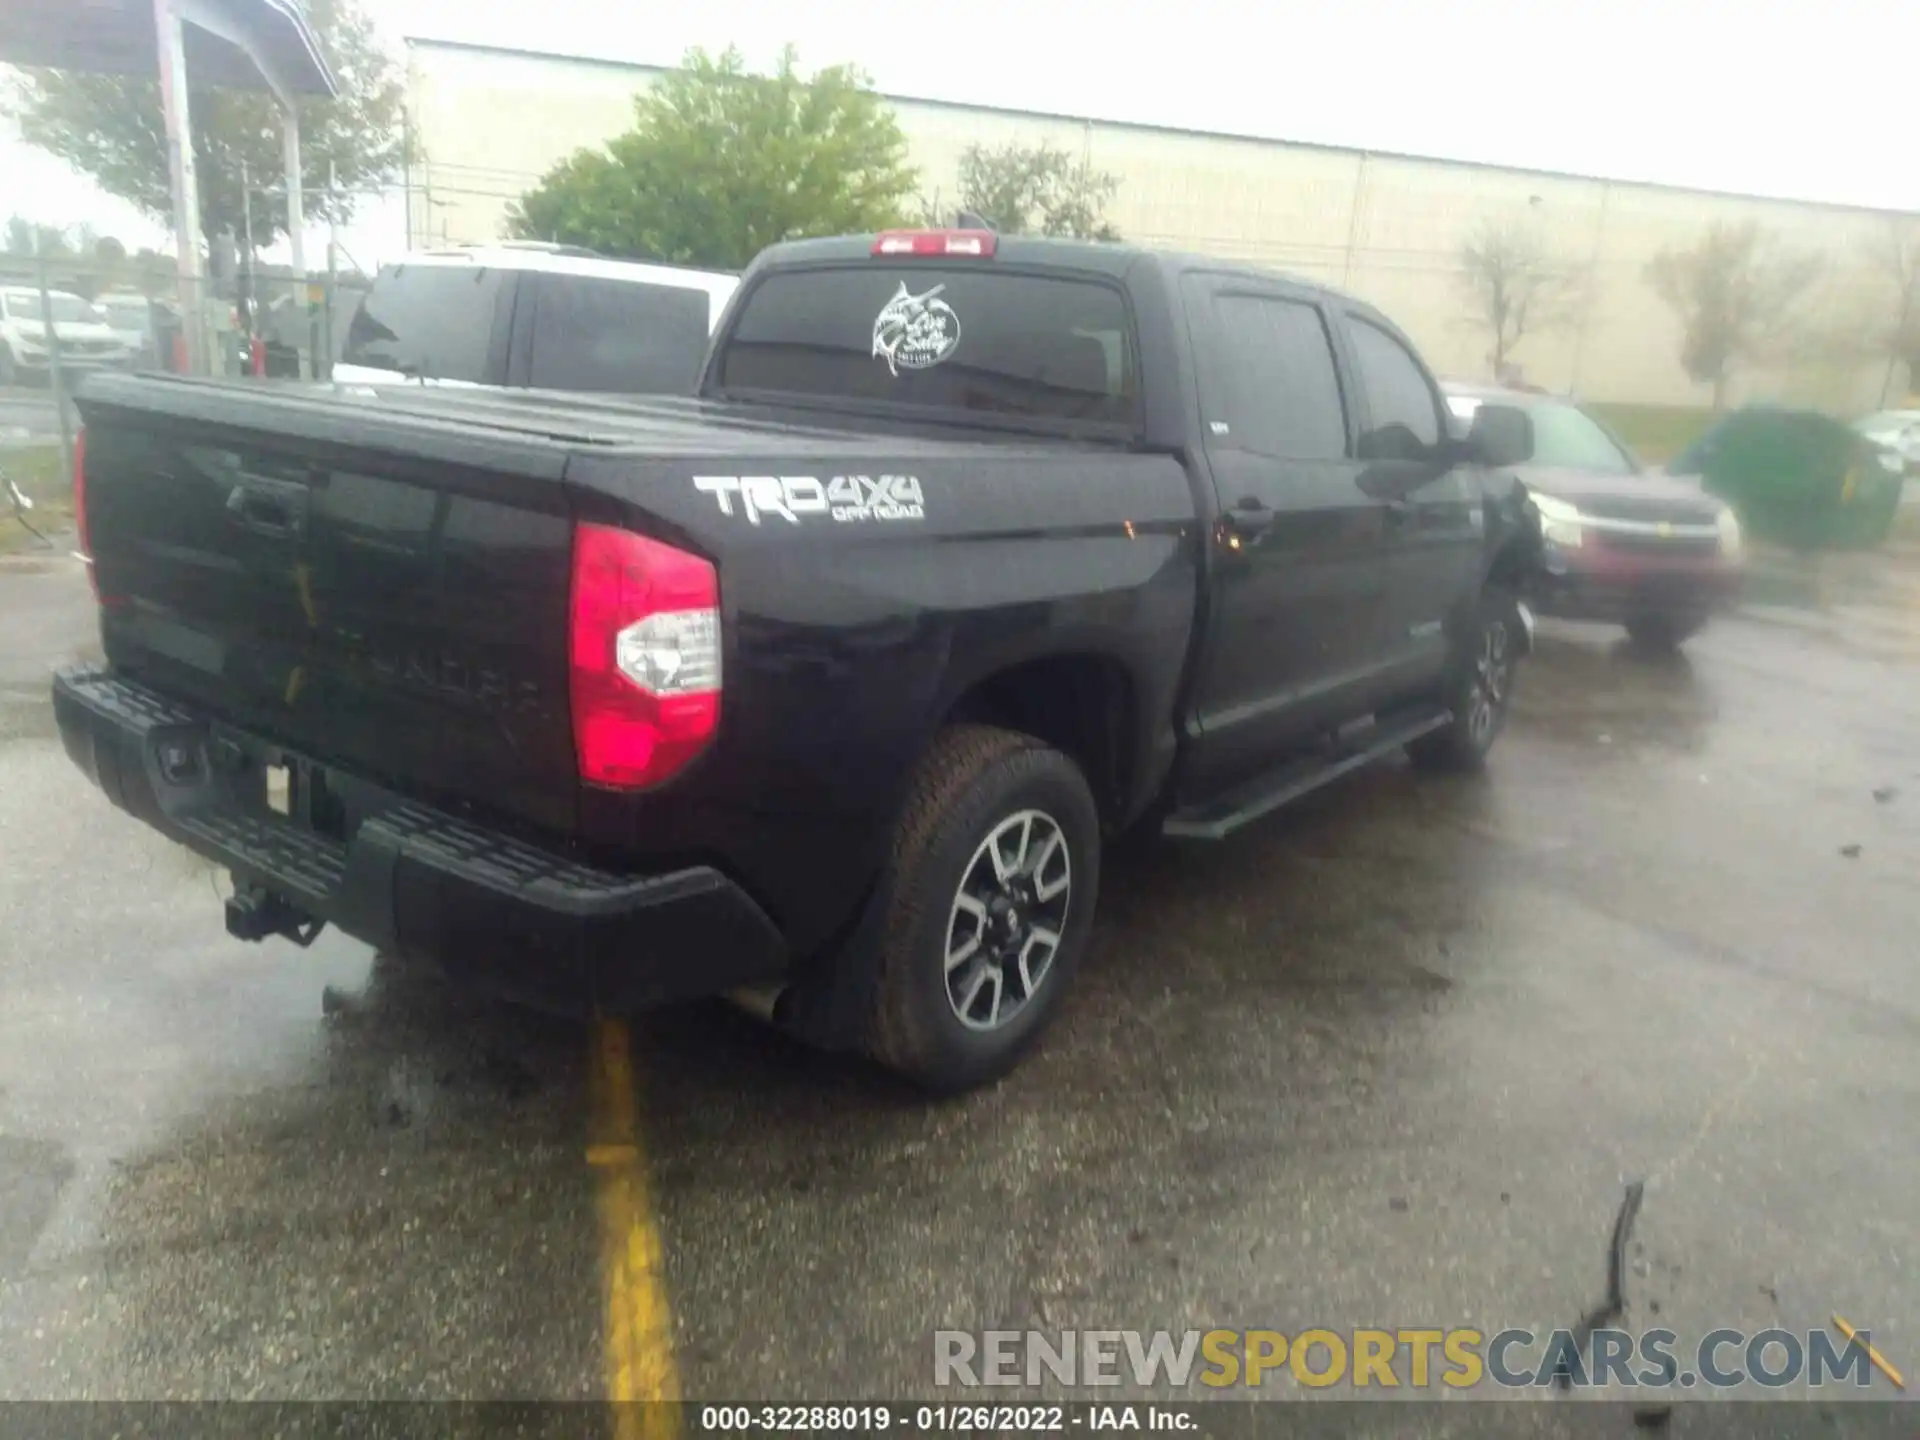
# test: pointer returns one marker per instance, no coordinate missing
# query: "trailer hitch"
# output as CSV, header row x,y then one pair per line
x,y
254,913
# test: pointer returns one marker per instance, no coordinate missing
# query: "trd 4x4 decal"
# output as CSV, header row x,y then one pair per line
x,y
847,498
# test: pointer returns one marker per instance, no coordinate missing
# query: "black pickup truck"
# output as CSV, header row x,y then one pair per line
x,y
824,685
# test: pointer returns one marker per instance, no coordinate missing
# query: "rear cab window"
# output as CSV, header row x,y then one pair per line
x,y
434,322
969,340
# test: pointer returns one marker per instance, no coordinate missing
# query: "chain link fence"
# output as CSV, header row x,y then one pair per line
x,y
62,318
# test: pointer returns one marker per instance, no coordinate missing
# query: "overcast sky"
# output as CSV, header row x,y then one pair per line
x,y
1791,98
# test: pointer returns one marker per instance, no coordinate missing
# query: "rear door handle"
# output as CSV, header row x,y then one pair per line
x,y
1248,518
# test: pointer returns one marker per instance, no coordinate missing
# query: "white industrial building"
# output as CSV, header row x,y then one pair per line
x,y
489,122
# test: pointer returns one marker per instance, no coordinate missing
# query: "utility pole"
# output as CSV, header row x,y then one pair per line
x,y
249,304
296,220
55,381
246,231
406,168
246,213
186,218
333,247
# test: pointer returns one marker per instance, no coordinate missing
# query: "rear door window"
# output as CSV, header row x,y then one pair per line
x,y
437,322
617,335
978,339
1271,381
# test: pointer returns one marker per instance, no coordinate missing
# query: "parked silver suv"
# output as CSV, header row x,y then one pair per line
x,y
545,317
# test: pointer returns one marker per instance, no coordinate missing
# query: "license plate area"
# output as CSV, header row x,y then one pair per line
x,y
280,782
290,788
296,790
283,784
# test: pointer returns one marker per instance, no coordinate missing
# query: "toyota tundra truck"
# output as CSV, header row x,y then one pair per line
x,y
825,684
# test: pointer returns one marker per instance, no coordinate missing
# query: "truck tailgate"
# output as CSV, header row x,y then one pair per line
x,y
388,597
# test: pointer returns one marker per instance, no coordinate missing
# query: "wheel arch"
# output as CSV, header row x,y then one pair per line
x,y
1086,704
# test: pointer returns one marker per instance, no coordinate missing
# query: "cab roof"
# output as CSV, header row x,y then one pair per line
x,y
1115,260
575,260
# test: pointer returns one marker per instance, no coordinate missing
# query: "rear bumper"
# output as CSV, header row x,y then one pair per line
x,y
1595,584
518,920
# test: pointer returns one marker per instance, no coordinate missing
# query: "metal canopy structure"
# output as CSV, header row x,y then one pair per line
x,y
217,44
229,44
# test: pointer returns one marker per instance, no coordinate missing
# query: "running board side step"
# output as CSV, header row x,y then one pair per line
x,y
1249,801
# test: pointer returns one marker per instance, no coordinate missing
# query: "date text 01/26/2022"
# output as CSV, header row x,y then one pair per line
x,y
939,1419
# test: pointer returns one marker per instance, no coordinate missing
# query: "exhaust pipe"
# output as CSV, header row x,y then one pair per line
x,y
760,1001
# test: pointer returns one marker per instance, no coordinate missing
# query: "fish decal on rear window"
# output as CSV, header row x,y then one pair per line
x,y
915,332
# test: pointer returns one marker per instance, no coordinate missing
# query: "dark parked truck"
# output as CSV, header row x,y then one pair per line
x,y
825,685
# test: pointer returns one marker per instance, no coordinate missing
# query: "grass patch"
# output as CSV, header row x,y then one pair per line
x,y
40,473
1656,432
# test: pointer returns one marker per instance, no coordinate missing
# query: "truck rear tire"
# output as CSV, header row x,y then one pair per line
x,y
993,881
1479,687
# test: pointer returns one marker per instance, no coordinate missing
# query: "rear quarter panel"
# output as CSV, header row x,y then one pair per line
x,y
850,640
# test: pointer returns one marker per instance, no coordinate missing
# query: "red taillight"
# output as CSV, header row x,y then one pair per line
x,y
80,487
977,244
644,648
80,510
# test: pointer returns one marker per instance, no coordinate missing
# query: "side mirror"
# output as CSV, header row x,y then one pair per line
x,y
1393,441
1502,436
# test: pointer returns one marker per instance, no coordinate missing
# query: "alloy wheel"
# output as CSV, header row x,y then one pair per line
x,y
1008,916
1488,689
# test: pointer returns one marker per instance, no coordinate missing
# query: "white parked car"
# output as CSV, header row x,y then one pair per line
x,y
87,341
548,317
130,315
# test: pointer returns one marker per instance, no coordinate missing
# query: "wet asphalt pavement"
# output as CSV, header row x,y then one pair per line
x,y
1388,1060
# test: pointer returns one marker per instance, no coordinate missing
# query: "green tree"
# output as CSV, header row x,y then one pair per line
x,y
1032,190
22,234
721,163
1738,294
110,127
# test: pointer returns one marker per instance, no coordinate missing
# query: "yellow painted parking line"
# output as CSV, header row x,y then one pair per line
x,y
1880,1361
638,1328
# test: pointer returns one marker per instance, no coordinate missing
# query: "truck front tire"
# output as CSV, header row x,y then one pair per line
x,y
994,876
1479,687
